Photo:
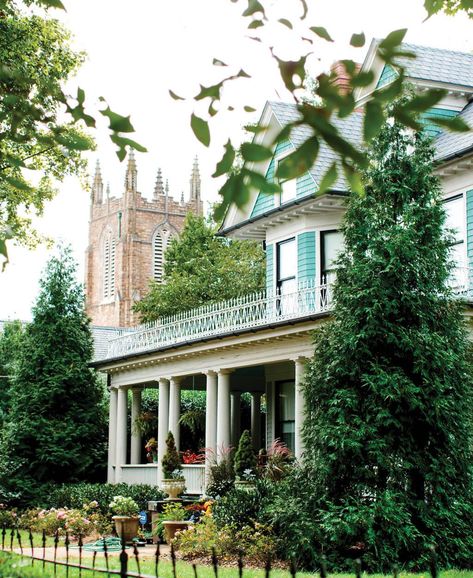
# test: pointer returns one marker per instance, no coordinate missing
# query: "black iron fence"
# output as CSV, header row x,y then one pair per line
x,y
49,558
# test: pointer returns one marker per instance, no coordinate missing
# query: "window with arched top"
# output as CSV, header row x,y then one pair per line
x,y
109,246
161,239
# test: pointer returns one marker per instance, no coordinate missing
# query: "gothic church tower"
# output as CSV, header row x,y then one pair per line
x,y
127,239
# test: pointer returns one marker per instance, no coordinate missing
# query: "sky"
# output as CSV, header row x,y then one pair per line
x,y
138,50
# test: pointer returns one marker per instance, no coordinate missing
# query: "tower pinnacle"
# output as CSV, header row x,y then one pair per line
x,y
158,187
195,181
97,185
131,172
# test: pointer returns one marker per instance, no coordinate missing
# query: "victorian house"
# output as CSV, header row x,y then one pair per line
x,y
260,343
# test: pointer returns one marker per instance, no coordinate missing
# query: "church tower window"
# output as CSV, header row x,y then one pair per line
x,y
161,239
109,267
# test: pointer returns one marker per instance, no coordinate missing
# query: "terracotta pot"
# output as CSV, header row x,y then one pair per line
x,y
173,488
171,527
126,527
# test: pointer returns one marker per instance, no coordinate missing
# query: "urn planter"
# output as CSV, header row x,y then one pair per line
x,y
171,527
126,527
173,488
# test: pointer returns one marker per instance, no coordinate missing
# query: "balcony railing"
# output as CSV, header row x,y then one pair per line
x,y
240,314
225,317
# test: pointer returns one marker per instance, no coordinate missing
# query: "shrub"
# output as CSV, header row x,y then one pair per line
x,y
76,495
171,462
256,542
171,512
222,474
245,457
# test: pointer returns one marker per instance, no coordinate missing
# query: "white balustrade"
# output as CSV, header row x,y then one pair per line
x,y
242,313
246,312
194,475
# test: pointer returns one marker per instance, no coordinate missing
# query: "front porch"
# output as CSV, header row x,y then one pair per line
x,y
268,366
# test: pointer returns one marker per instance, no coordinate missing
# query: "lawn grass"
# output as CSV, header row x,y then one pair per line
x,y
13,565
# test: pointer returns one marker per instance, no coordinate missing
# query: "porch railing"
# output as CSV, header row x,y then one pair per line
x,y
242,313
246,312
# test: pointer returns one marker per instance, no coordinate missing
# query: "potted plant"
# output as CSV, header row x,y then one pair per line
x,y
173,483
151,448
126,518
245,463
173,518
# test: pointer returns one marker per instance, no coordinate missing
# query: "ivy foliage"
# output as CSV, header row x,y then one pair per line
x,y
200,268
56,427
388,428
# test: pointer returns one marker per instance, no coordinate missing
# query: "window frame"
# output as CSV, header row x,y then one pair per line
x,y
281,280
322,235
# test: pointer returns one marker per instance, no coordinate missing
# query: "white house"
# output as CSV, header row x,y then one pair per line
x,y
259,343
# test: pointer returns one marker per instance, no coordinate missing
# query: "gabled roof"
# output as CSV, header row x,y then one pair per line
x,y
350,128
438,64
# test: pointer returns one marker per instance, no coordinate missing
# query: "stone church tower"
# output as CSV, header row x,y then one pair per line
x,y
127,240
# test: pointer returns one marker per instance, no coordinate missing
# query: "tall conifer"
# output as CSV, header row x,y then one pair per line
x,y
388,432
55,430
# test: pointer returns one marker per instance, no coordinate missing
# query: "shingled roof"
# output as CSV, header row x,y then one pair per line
x,y
438,64
350,128
450,144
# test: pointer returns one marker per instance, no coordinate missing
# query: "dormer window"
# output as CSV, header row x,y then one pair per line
x,y
288,189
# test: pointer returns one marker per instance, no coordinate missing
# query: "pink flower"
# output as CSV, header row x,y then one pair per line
x,y
61,515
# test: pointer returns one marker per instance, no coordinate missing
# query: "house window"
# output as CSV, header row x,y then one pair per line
x,y
455,224
109,267
285,413
331,243
286,269
288,190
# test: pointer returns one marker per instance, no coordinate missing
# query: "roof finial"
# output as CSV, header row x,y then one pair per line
x,y
158,187
108,191
167,188
195,180
182,197
131,172
97,185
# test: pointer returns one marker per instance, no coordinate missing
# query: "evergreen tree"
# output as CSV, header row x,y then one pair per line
x,y
56,427
170,461
388,430
245,456
10,341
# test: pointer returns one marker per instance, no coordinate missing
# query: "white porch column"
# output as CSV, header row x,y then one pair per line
x,y
112,435
163,423
210,421
122,418
223,411
300,363
256,419
175,408
135,447
235,410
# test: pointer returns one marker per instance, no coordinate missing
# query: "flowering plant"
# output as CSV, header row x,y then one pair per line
x,y
121,506
151,448
189,457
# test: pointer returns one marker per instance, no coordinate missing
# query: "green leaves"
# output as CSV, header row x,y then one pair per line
x,y
255,153
455,124
393,40
300,161
358,40
226,162
328,180
200,128
117,122
175,96
321,32
374,119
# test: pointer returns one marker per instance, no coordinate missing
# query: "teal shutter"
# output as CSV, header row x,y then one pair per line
x,y
306,257
469,237
270,268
